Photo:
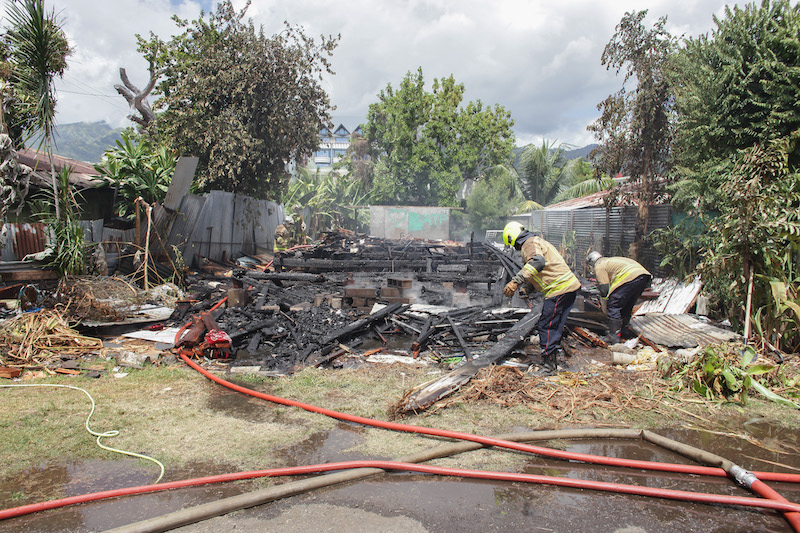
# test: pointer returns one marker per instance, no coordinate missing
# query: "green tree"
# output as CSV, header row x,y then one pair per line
x,y
333,200
735,88
635,128
246,104
358,163
425,144
36,49
756,241
494,198
584,180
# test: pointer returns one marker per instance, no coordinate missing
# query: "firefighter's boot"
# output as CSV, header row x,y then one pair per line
x,y
614,331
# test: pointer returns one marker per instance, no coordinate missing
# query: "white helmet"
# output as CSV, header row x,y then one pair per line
x,y
592,257
288,220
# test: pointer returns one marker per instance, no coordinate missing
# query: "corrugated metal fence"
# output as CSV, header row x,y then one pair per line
x,y
609,231
219,225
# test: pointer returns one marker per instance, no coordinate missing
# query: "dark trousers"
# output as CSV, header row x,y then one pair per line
x,y
551,323
621,301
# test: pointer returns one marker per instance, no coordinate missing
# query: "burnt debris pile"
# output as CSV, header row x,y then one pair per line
x,y
333,302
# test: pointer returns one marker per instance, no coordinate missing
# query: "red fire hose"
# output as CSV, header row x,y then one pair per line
x,y
754,482
699,497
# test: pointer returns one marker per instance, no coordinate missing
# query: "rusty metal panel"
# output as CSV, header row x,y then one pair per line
x,y
683,331
29,238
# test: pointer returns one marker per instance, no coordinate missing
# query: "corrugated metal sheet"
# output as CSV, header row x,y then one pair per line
x,y
683,331
183,225
609,231
28,238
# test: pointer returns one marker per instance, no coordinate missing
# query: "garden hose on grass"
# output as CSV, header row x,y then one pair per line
x,y
107,434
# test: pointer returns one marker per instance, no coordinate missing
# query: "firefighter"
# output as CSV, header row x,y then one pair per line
x,y
284,235
621,281
545,271
300,236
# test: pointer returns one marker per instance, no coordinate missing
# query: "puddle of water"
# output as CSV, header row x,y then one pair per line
x,y
237,405
396,341
325,447
74,478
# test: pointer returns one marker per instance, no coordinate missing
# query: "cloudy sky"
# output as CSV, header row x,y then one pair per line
x,y
540,60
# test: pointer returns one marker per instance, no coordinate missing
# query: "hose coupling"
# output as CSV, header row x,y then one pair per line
x,y
743,477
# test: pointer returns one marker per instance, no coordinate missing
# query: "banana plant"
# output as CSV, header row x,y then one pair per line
x,y
722,372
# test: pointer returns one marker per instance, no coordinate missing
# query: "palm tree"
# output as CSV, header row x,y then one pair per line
x,y
545,172
38,49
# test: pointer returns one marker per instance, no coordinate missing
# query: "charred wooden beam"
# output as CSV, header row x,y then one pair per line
x,y
426,395
238,336
348,331
594,340
282,276
460,337
255,340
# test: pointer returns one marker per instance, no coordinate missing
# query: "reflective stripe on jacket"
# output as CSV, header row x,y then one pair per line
x,y
617,271
556,278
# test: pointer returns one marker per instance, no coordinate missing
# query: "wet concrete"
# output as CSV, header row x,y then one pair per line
x,y
415,502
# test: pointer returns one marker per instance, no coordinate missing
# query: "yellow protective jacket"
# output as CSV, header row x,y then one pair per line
x,y
283,239
555,278
617,271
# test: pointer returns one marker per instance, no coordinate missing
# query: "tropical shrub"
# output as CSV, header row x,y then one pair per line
x,y
139,169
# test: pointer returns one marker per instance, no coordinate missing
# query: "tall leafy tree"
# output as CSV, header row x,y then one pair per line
x,y
245,103
494,198
635,127
425,144
736,87
36,49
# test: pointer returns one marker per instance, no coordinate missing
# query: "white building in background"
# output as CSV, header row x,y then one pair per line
x,y
333,146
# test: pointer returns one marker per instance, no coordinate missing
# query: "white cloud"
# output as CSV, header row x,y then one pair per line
x,y
540,60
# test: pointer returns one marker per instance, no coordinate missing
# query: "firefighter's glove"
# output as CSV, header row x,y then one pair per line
x,y
510,289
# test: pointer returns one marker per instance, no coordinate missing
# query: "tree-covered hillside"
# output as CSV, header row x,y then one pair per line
x,y
84,141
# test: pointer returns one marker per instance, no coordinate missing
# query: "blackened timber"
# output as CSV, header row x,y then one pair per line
x,y
426,395
428,330
339,335
433,276
255,340
457,331
296,338
238,336
360,324
355,264
284,276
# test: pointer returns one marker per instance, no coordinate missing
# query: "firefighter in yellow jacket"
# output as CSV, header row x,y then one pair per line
x,y
545,271
284,235
622,281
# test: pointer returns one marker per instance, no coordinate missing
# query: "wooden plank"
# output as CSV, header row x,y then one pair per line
x,y
427,394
